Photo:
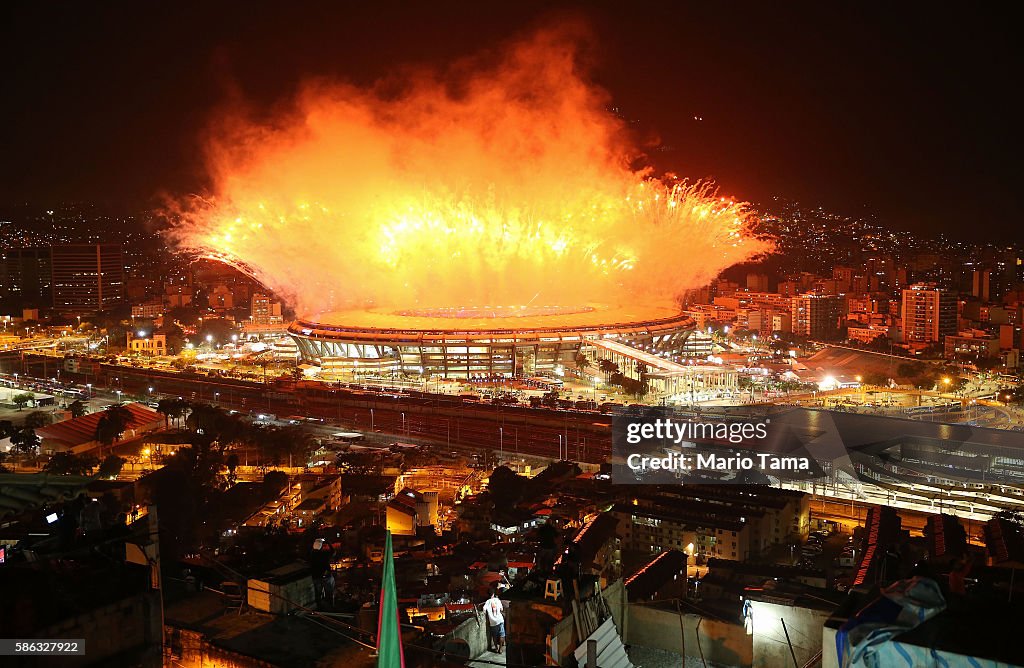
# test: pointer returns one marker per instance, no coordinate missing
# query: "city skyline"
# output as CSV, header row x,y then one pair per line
x,y
408,335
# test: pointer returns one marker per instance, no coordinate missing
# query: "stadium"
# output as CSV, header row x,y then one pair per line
x,y
481,342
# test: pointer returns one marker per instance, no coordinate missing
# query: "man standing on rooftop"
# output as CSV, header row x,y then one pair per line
x,y
495,622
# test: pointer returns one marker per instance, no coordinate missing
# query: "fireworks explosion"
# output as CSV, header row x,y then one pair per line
x,y
485,184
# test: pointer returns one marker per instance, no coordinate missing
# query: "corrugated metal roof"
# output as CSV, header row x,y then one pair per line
x,y
611,653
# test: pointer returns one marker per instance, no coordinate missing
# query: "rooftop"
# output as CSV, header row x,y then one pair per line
x,y
293,641
21,492
653,575
76,431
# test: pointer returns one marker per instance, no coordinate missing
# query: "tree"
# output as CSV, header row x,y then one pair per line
x,y
274,482
506,485
876,378
183,491
78,408
908,369
582,361
111,466
163,407
171,409
3,458
186,315
175,338
219,425
25,441
202,465
22,400
112,424
880,343
37,419
607,367
67,463
285,445
218,329
231,463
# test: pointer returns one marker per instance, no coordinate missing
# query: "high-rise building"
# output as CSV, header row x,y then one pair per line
x,y
757,282
929,314
25,279
981,283
87,277
265,311
844,278
815,315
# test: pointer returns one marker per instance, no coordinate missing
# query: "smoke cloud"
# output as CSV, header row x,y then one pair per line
x,y
495,182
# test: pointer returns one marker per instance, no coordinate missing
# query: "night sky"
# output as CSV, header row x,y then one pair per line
x,y
911,113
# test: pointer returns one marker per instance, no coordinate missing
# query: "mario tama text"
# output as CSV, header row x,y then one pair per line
x,y
658,445
710,461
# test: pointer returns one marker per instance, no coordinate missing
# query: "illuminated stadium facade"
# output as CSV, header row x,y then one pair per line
x,y
479,342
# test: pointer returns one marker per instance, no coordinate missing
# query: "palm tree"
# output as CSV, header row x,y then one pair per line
x,y
179,408
607,367
166,407
582,362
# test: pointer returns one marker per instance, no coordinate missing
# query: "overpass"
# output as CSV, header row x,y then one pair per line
x,y
666,376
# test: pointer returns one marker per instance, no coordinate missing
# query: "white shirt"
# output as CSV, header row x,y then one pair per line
x,y
494,608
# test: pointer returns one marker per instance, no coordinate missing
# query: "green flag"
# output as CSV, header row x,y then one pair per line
x,y
389,633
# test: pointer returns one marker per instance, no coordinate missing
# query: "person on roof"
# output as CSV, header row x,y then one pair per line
x,y
495,623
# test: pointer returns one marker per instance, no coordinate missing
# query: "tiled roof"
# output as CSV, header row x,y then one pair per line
x,y
20,492
83,430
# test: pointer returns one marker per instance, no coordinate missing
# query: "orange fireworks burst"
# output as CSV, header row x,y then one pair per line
x,y
507,186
